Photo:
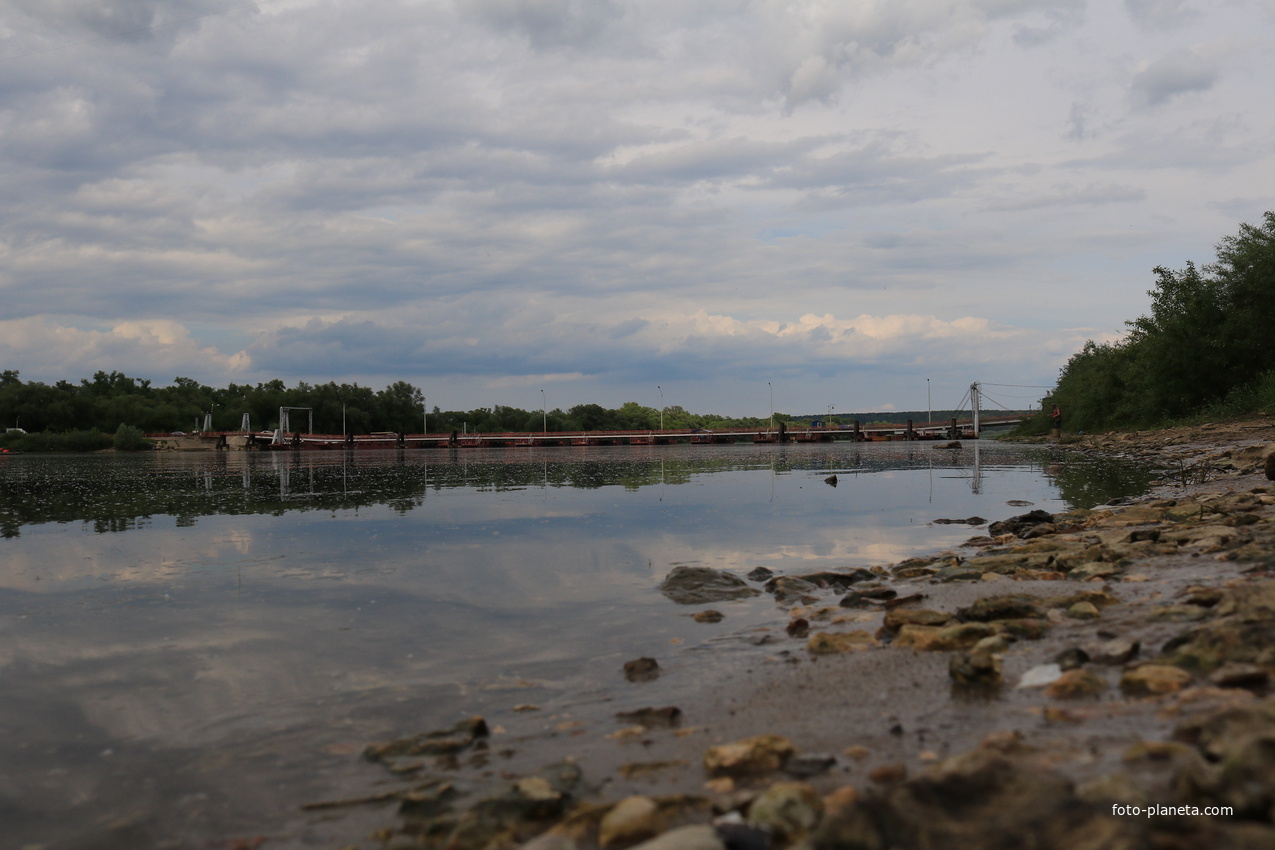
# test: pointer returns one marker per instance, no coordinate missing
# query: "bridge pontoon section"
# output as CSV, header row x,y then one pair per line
x,y
281,440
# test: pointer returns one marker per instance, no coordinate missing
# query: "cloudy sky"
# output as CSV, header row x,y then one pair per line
x,y
490,198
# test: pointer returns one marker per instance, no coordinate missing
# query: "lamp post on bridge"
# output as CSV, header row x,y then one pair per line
x,y
772,405
661,389
544,413
929,407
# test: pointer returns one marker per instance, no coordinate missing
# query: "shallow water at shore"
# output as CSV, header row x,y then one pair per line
x,y
192,644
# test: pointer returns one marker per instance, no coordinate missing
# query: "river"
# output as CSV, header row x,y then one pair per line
x,y
193,645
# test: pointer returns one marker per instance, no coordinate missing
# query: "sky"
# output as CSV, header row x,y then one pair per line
x,y
728,205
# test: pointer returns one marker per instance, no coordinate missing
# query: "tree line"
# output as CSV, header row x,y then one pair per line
x,y
108,401
1205,349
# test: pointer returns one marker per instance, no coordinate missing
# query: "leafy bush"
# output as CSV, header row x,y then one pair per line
x,y
71,441
130,439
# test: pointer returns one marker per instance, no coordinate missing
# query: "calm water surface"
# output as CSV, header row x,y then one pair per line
x,y
193,645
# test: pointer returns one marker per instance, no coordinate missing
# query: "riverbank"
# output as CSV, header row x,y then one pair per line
x,y
1043,681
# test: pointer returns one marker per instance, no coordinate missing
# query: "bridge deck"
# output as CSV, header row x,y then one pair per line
x,y
269,439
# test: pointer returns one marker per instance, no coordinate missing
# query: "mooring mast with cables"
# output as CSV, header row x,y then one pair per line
x,y
974,406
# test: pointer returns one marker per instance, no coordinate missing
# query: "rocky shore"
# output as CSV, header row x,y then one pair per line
x,y
1095,678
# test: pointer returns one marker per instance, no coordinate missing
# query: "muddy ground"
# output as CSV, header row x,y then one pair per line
x,y
1092,679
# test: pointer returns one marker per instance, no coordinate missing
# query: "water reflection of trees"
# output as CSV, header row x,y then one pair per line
x,y
123,493
1085,482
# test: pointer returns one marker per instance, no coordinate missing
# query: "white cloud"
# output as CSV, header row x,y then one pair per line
x,y
44,346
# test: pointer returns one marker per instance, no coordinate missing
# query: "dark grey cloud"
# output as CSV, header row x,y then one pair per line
x,y
498,343
546,23
1160,14
1173,74
129,20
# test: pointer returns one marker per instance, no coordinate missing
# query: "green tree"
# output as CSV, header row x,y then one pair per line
x,y
400,408
1245,272
1206,338
1179,350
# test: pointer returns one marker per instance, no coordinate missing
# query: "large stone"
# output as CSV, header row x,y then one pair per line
x,y
750,756
806,765
1116,651
1154,680
1019,525
697,585
790,588
789,809
1237,675
1239,745
897,618
1100,599
868,598
630,821
1076,684
958,572
539,797
1252,604
642,670
838,643
1011,606
946,638
552,840
1083,611
1026,629
652,718
1012,563
437,743
1094,569
975,670
983,800
695,837
1243,632
827,578
1040,676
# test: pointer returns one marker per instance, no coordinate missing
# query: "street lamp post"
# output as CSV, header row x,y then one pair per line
x,y
772,405
424,415
658,387
544,413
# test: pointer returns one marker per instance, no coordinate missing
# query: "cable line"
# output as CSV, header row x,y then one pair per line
x,y
1018,386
